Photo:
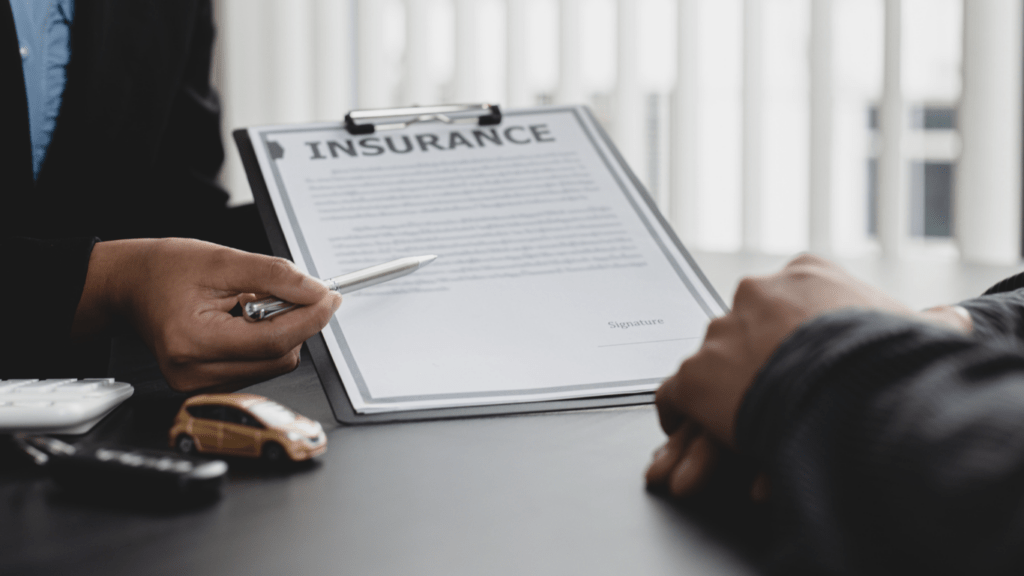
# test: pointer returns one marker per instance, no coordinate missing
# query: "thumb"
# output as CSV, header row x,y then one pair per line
x,y
955,317
256,273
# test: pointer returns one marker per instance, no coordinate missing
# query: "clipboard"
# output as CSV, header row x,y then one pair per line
x,y
368,122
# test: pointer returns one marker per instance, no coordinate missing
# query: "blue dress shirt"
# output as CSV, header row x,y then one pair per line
x,y
44,33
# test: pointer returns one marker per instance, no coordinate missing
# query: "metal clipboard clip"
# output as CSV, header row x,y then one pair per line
x,y
368,121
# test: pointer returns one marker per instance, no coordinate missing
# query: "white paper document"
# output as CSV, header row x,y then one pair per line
x,y
555,276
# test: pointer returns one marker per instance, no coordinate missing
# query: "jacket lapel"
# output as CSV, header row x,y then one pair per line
x,y
15,138
125,56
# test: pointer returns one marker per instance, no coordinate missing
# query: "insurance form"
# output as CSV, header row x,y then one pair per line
x,y
555,278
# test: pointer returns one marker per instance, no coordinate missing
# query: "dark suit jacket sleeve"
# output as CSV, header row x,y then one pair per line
x,y
41,287
999,313
191,150
137,147
893,446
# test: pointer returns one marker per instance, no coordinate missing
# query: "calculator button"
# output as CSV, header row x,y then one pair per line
x,y
8,385
32,404
78,386
42,386
58,405
112,390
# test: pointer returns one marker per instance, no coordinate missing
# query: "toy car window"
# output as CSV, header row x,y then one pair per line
x,y
201,411
215,412
232,415
236,416
249,420
273,413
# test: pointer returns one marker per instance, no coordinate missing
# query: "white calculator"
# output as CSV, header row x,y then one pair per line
x,y
58,406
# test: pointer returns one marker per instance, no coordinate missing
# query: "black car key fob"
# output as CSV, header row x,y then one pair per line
x,y
125,472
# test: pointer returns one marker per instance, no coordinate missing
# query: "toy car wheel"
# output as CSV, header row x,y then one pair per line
x,y
274,453
185,444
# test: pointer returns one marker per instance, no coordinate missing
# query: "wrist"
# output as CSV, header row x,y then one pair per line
x,y
817,356
954,317
114,268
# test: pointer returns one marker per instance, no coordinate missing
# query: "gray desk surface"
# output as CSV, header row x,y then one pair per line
x,y
545,494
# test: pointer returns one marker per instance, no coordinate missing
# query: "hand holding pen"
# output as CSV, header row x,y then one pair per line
x,y
177,295
267,307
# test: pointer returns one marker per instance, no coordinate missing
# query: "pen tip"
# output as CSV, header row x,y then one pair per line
x,y
424,260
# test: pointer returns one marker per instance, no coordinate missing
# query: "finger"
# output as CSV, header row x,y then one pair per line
x,y
812,260
665,458
239,271
760,490
955,317
673,398
230,338
723,324
230,302
245,297
669,415
230,376
694,466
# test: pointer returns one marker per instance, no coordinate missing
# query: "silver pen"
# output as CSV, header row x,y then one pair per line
x,y
267,307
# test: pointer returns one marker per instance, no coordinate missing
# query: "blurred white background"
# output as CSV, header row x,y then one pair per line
x,y
848,127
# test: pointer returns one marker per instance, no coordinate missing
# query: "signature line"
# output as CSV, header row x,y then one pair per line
x,y
649,342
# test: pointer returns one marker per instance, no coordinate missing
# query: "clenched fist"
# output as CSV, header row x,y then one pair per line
x,y
698,405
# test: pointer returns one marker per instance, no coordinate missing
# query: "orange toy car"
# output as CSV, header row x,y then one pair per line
x,y
245,425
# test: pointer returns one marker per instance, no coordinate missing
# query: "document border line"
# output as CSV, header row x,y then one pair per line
x,y
650,229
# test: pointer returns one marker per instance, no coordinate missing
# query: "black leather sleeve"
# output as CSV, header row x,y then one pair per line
x,y
40,291
893,446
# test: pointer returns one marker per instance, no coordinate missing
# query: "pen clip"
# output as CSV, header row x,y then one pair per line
x,y
265,308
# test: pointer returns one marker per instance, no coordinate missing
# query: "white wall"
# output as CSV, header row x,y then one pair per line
x,y
720,106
